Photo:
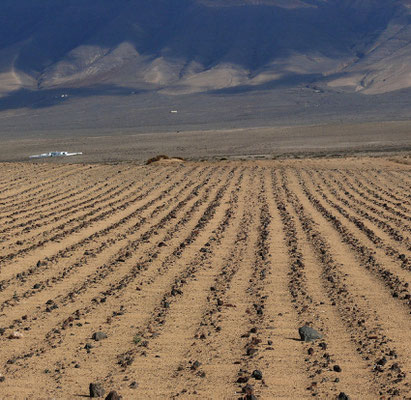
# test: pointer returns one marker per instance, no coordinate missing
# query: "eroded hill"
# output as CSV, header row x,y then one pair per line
x,y
198,45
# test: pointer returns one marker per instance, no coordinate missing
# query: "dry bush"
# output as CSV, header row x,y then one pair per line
x,y
163,157
157,158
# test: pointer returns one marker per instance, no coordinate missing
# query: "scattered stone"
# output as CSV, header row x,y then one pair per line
x,y
16,335
196,365
96,390
382,361
113,395
248,389
2,378
2,331
322,345
337,368
51,305
97,336
308,334
133,385
37,286
251,351
249,393
257,375
343,396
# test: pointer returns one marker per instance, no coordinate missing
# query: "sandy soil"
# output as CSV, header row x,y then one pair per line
x,y
200,273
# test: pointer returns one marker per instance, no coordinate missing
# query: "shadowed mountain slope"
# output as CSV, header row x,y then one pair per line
x,y
188,46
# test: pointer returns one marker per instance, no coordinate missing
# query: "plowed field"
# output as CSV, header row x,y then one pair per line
x,y
200,274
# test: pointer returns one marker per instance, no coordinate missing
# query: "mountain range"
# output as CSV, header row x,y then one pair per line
x,y
194,46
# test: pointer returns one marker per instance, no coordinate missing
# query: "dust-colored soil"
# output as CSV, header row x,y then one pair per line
x,y
201,273
372,138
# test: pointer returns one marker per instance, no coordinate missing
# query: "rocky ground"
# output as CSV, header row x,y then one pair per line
x,y
202,280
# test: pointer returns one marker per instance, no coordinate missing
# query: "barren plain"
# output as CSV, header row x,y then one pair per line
x,y
190,280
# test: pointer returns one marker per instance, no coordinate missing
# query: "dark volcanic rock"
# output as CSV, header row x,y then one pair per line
x,y
343,396
113,395
195,365
97,336
323,345
249,393
257,375
96,390
382,361
251,351
308,334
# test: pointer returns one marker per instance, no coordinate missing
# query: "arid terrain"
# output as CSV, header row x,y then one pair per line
x,y
391,137
282,208
123,77
195,46
190,280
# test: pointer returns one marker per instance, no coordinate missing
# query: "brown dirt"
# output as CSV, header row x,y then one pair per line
x,y
200,273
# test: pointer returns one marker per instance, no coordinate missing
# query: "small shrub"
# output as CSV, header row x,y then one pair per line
x,y
162,157
157,158
136,339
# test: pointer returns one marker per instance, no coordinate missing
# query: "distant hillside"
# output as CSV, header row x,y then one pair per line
x,y
185,46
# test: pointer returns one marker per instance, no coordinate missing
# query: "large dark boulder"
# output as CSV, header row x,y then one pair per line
x,y
308,334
